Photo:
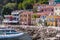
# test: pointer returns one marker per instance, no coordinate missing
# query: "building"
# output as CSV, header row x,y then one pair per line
x,y
58,21
57,10
51,21
41,8
43,11
13,18
42,18
25,18
52,2
37,7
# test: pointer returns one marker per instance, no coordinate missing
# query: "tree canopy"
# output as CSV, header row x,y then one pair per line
x,y
10,5
29,3
21,4
8,8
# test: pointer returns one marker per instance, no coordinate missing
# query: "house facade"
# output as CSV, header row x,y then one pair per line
x,y
13,18
51,21
25,18
58,21
52,2
43,11
57,10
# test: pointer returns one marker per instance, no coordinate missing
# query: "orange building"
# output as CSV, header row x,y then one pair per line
x,y
53,20
25,18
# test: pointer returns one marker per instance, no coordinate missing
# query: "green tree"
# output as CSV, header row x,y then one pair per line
x,y
27,5
30,1
34,16
6,11
8,8
42,1
10,5
20,6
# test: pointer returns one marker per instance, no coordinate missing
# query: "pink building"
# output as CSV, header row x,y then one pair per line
x,y
49,10
25,18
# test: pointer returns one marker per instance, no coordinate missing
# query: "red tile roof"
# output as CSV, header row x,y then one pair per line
x,y
57,4
43,13
58,17
49,7
27,12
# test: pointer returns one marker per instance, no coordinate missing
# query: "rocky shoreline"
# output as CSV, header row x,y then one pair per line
x,y
38,33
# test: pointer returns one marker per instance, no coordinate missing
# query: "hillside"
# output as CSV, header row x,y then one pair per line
x,y
6,5
3,2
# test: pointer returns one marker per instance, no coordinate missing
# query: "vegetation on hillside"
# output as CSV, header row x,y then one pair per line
x,y
10,5
24,3
8,8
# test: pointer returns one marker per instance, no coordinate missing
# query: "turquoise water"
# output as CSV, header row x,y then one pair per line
x,y
57,1
8,32
10,39
23,36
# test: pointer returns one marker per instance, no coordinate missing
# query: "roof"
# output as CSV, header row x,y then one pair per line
x,y
54,17
15,12
44,13
57,16
27,12
57,4
7,15
49,6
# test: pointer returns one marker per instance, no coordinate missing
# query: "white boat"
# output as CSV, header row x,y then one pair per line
x,y
11,34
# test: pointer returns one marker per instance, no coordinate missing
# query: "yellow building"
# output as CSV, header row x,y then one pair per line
x,y
51,20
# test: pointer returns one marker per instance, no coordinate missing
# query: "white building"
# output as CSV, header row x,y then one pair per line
x,y
57,10
13,18
52,2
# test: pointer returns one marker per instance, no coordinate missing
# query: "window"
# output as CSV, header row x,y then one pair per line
x,y
52,19
25,15
41,10
55,13
16,15
16,19
45,10
59,8
51,13
49,19
59,13
51,9
55,8
43,17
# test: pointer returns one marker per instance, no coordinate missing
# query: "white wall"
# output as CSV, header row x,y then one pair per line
x,y
57,10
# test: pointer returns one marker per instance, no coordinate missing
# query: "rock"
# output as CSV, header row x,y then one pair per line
x,y
38,33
